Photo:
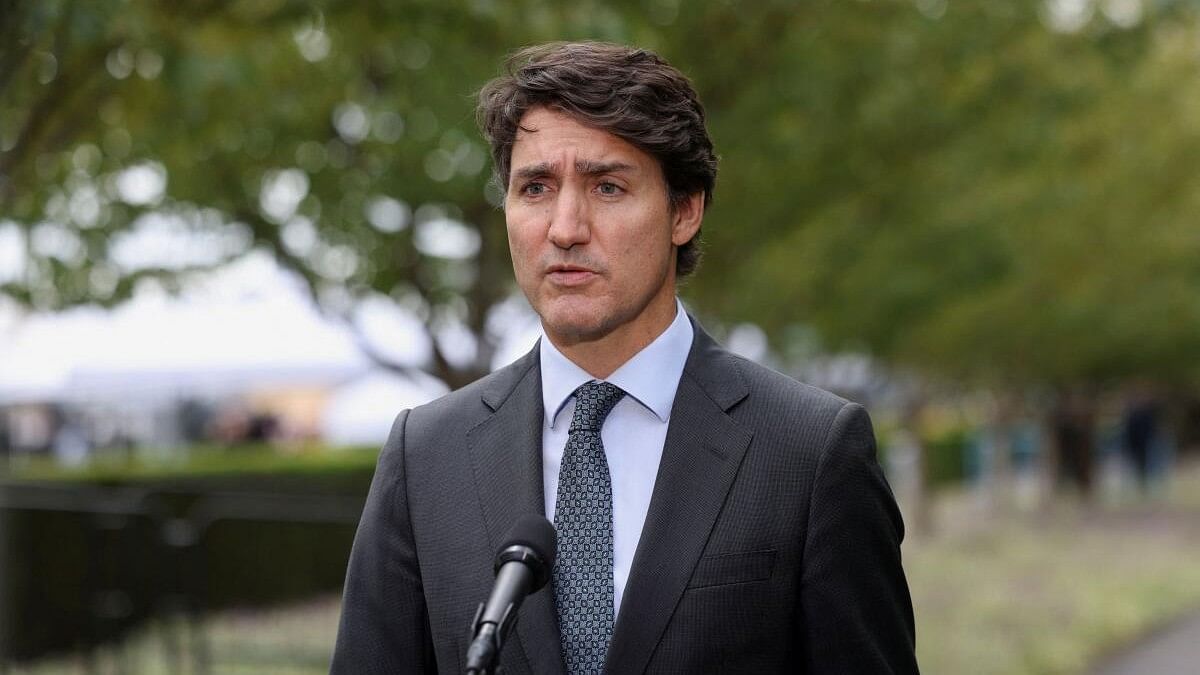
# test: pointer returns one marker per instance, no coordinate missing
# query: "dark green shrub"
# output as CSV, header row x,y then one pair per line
x,y
945,457
89,554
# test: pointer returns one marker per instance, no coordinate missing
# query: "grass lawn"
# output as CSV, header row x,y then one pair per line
x,y
1051,592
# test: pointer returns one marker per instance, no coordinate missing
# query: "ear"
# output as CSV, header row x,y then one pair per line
x,y
686,218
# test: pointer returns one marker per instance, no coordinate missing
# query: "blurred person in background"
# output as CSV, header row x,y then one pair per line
x,y
712,515
1074,435
1141,427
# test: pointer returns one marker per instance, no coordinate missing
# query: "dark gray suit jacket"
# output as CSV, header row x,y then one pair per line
x,y
772,543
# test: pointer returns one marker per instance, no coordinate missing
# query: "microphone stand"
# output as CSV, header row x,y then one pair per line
x,y
485,648
513,573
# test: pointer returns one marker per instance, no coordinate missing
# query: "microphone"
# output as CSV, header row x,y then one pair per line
x,y
523,565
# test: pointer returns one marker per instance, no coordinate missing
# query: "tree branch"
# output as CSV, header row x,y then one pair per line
x,y
15,51
41,115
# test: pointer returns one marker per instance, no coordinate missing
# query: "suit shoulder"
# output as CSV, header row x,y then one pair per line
x,y
780,407
473,399
770,382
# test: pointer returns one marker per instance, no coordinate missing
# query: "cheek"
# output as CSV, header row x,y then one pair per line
x,y
523,262
526,231
525,254
518,241
647,243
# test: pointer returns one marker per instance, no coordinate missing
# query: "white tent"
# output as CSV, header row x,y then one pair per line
x,y
361,412
248,324
162,348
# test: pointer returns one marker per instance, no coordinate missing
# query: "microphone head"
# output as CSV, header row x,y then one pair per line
x,y
533,541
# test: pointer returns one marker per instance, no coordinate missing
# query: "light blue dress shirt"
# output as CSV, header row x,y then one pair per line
x,y
633,433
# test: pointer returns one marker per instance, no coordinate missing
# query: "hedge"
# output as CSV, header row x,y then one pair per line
x,y
90,553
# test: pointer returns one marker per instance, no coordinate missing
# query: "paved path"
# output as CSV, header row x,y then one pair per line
x,y
1174,650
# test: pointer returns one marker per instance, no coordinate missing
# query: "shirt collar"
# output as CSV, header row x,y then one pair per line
x,y
651,377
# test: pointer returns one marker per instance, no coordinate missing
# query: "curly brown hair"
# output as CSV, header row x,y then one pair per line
x,y
629,92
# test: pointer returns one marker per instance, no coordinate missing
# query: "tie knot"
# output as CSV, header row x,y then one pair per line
x,y
593,401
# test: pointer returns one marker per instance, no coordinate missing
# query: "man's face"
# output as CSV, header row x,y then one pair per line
x,y
591,231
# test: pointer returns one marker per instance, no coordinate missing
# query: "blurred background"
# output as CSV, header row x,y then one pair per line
x,y
238,236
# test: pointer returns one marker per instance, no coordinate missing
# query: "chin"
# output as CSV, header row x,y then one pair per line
x,y
573,325
573,332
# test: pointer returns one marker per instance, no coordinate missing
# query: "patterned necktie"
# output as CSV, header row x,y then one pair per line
x,y
583,516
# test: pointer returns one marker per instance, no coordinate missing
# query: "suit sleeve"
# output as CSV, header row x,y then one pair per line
x,y
384,624
857,613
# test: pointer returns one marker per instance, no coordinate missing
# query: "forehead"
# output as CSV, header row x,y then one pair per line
x,y
550,136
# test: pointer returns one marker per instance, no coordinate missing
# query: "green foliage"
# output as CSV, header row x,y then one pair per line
x,y
976,195
945,458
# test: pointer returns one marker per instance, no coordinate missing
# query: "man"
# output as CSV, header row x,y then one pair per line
x,y
713,515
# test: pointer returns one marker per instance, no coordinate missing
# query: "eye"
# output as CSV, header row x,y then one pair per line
x,y
609,189
533,189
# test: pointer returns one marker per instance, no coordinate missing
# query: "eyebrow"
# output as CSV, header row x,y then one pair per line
x,y
584,166
591,168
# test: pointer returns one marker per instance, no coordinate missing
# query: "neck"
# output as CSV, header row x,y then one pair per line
x,y
602,356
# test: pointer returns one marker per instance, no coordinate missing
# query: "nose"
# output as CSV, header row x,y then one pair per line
x,y
570,220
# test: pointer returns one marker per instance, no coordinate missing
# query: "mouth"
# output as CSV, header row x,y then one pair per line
x,y
569,275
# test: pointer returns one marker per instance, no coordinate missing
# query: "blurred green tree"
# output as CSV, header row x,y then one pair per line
x,y
989,191
997,191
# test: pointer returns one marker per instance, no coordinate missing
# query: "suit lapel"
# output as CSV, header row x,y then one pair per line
x,y
701,456
506,454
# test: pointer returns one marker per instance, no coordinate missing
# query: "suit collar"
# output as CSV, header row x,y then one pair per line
x,y
506,455
501,384
701,456
715,370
